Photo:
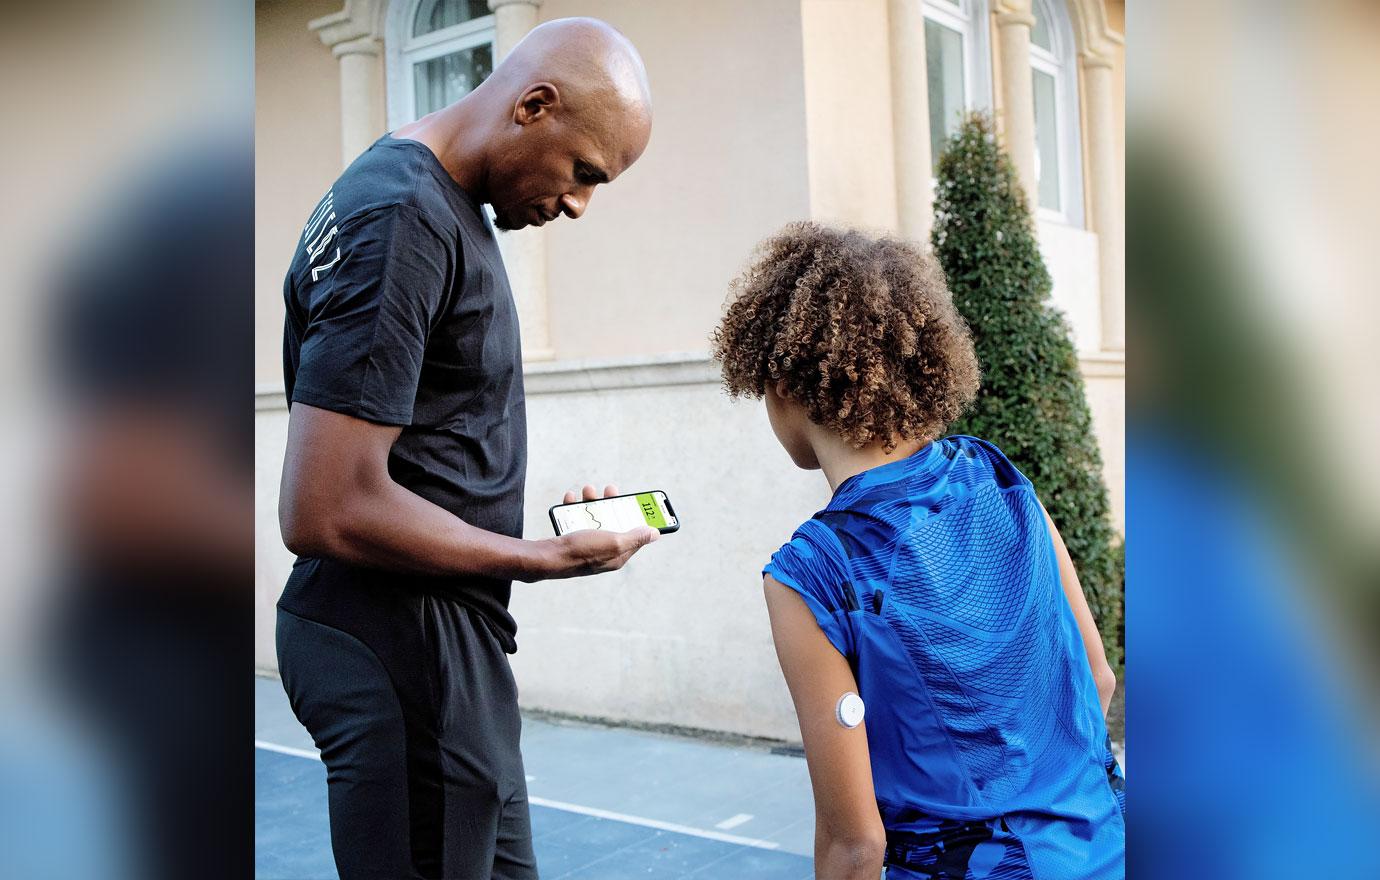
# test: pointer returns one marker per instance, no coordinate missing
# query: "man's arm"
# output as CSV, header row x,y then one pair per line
x,y
338,500
1087,627
850,841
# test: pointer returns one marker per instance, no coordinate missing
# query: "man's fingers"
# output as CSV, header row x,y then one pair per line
x,y
589,493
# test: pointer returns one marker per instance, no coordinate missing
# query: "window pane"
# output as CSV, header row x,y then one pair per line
x,y
433,15
944,68
1039,34
1046,139
449,78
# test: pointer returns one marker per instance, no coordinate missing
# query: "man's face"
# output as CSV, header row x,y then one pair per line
x,y
550,166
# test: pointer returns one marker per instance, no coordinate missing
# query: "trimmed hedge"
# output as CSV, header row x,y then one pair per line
x,y
1032,403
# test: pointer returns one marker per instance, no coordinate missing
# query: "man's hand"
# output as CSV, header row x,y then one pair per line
x,y
593,551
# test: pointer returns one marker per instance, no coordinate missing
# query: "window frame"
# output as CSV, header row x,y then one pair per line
x,y
1059,64
969,19
402,51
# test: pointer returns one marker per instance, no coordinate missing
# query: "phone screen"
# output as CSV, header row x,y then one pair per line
x,y
618,514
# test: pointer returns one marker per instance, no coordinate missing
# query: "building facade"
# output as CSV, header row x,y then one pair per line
x,y
766,111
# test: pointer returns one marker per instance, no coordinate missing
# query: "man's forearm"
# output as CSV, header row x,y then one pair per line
x,y
389,527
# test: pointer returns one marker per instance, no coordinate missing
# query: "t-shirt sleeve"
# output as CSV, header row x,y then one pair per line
x,y
806,567
369,316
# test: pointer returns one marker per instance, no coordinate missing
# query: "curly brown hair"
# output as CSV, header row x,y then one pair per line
x,y
861,329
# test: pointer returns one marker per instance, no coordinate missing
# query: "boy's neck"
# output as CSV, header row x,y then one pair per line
x,y
839,460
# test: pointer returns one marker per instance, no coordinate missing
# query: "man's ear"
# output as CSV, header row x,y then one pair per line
x,y
780,388
536,101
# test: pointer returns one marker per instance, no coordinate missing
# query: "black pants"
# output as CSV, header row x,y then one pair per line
x,y
412,702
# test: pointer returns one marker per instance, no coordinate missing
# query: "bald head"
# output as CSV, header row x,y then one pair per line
x,y
572,110
588,59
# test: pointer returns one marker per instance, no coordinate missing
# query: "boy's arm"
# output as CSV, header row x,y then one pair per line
x,y
1092,639
849,838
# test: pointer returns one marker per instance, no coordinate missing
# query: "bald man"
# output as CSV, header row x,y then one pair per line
x,y
402,491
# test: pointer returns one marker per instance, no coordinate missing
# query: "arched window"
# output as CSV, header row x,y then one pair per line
x,y
1055,83
957,66
438,51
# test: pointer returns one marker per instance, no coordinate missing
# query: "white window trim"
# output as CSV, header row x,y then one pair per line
x,y
1060,65
969,19
402,50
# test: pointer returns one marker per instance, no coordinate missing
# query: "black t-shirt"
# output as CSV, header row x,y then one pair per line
x,y
399,312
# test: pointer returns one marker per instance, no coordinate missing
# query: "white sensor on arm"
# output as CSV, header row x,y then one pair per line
x,y
849,711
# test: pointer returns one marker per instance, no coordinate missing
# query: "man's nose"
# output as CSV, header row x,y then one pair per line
x,y
574,204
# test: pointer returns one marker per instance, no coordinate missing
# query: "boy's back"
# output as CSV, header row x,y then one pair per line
x,y
936,577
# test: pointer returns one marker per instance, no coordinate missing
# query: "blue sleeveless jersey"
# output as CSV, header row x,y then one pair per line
x,y
936,577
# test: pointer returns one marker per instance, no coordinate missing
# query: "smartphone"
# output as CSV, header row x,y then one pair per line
x,y
619,513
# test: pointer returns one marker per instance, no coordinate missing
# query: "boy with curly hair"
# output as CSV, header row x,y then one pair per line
x,y
933,586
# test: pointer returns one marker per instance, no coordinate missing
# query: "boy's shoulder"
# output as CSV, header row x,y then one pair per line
x,y
866,520
966,444
987,455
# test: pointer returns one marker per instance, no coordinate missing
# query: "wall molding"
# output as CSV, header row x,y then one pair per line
x,y
1097,40
654,371
1102,364
269,396
575,376
611,374
359,19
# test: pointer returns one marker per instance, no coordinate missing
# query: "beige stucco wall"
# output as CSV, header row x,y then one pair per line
x,y
1104,380
647,269
297,150
848,112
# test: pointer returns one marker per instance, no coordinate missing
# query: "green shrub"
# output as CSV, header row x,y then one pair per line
x,y
1032,403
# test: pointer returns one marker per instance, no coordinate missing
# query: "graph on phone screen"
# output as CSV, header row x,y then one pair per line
x,y
612,514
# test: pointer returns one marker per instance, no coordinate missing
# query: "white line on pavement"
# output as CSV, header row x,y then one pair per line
x,y
655,823
593,811
287,750
734,821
